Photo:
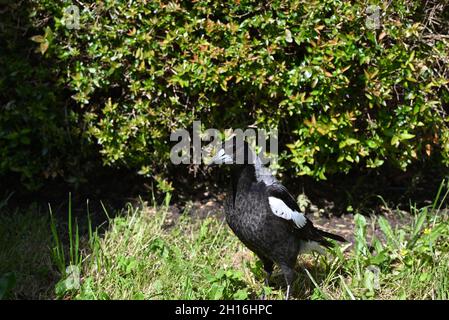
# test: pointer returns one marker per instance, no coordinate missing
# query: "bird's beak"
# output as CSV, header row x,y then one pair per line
x,y
220,157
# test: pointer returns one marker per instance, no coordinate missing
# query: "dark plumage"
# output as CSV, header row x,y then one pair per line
x,y
263,214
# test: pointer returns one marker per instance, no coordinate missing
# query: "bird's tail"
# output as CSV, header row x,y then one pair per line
x,y
329,235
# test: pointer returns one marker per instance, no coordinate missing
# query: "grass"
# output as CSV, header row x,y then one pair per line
x,y
141,258
143,254
25,262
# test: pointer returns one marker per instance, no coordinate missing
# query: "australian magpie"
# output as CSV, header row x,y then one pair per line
x,y
264,215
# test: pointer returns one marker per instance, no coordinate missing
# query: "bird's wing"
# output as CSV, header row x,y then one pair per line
x,y
283,205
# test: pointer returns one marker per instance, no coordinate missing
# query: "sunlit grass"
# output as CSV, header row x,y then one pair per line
x,y
146,253
140,257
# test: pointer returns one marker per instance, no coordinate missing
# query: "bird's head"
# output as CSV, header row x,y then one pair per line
x,y
234,151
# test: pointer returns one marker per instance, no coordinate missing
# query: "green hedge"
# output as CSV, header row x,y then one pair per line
x,y
30,124
40,131
341,93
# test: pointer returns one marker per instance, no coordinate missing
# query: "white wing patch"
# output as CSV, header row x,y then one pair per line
x,y
280,209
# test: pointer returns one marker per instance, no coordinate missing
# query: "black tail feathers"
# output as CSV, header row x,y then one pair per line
x,y
329,235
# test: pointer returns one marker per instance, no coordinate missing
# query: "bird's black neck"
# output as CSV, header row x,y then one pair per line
x,y
245,171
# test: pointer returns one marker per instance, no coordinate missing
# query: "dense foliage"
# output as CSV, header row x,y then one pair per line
x,y
39,135
346,87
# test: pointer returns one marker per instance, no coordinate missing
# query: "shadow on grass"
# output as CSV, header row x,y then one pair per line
x,y
303,287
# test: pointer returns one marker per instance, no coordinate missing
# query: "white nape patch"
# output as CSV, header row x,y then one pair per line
x,y
220,153
222,157
280,209
311,246
263,174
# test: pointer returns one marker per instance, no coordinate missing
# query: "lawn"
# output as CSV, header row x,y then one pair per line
x,y
145,252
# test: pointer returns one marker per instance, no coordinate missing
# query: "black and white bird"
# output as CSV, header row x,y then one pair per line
x,y
264,215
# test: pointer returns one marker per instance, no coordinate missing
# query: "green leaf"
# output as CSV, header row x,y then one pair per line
x,y
379,259
348,142
368,281
361,247
241,294
406,136
395,140
424,276
419,224
387,230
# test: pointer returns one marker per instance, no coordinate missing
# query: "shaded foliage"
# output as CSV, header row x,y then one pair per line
x,y
39,132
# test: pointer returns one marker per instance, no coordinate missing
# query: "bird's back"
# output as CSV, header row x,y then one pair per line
x,y
249,215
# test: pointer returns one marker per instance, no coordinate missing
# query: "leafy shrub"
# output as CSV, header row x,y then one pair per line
x,y
342,92
36,132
